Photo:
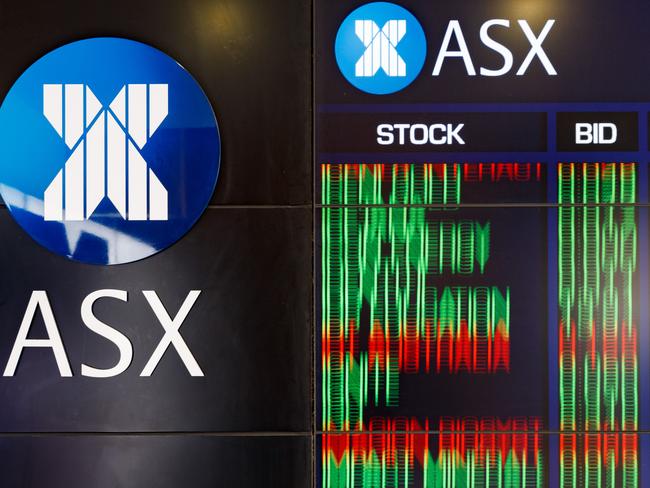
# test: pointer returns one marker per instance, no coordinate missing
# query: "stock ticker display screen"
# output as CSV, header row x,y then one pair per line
x,y
481,177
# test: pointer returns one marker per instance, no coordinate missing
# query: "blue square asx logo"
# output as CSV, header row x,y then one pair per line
x,y
380,48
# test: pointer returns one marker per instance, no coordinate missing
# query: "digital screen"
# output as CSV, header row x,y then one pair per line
x,y
482,271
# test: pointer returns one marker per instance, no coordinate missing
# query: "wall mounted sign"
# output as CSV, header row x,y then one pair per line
x,y
109,151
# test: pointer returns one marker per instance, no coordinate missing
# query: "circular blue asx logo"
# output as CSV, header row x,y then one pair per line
x,y
380,48
109,151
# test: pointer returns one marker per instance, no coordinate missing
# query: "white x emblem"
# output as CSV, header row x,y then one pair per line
x,y
105,160
381,48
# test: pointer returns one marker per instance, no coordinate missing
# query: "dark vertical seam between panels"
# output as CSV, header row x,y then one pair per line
x,y
312,165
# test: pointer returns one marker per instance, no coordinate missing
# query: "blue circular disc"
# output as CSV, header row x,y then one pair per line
x,y
109,151
380,48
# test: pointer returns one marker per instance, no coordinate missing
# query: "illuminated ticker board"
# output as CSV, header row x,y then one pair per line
x,y
435,325
483,306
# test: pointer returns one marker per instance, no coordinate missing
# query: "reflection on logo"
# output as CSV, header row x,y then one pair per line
x,y
101,155
109,151
120,247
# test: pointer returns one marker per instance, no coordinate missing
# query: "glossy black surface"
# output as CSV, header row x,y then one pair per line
x,y
251,57
249,331
158,461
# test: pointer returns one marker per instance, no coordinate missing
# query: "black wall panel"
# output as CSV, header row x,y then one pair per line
x,y
250,255
160,461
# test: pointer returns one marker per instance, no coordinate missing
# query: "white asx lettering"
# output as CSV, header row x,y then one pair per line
x,y
39,302
455,33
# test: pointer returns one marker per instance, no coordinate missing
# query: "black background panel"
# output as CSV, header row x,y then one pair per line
x,y
248,330
160,461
